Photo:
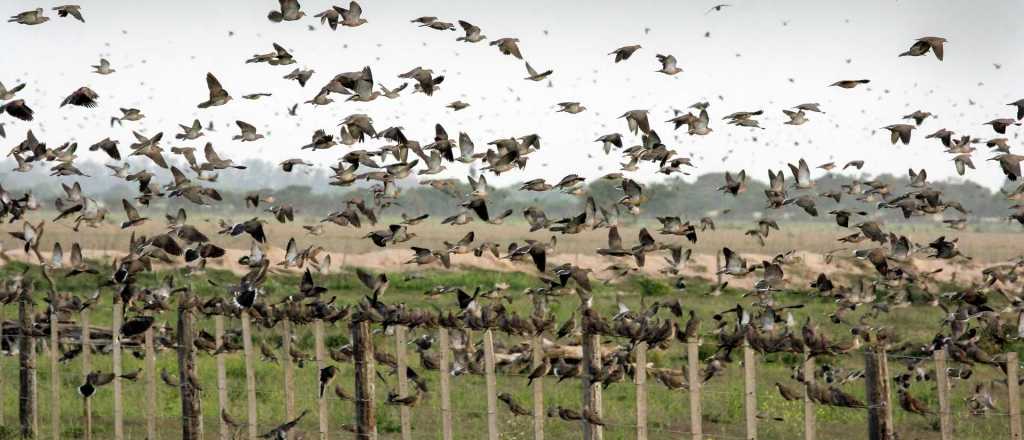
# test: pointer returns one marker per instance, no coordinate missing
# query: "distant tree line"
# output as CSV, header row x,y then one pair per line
x,y
306,189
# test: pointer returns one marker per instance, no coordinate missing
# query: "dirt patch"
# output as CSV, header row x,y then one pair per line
x,y
799,274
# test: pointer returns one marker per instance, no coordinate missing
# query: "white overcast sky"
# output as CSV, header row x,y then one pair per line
x,y
162,50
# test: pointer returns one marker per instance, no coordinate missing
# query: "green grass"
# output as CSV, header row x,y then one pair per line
x,y
668,410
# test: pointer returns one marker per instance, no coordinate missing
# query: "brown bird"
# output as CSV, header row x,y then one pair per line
x,y
623,53
925,44
788,393
911,404
514,406
850,83
83,97
539,372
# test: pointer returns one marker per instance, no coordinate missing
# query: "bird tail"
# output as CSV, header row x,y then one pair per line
x,y
115,119
275,16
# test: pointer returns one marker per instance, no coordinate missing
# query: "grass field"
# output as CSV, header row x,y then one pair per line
x,y
668,411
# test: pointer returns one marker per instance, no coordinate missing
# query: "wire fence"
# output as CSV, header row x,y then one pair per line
x,y
982,402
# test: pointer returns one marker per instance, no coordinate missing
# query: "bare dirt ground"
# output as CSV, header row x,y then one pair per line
x,y
804,268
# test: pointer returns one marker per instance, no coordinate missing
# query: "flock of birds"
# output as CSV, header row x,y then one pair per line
x,y
974,318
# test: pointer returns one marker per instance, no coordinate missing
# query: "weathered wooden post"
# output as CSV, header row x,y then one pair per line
x,y
250,375
877,395
86,340
191,405
640,380
750,389
591,388
890,426
539,309
222,376
1013,387
55,382
150,373
945,417
27,365
289,373
115,335
403,382
492,385
444,368
810,432
695,381
362,356
321,363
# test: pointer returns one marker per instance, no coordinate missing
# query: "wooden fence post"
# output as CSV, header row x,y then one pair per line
x,y
640,380
85,338
877,395
539,309
366,411
492,386
27,365
750,389
150,373
222,376
191,409
55,382
321,363
403,381
250,375
945,417
289,373
444,369
591,388
115,332
890,427
694,381
1013,386
809,414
